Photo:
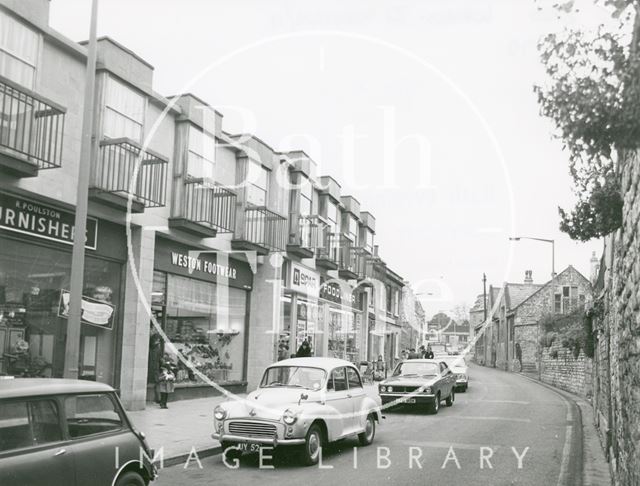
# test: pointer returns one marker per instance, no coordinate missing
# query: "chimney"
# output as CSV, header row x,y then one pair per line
x,y
528,277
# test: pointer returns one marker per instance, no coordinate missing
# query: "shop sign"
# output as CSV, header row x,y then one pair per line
x,y
94,312
304,280
200,265
333,292
43,221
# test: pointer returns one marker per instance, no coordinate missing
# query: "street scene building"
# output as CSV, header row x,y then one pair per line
x,y
203,232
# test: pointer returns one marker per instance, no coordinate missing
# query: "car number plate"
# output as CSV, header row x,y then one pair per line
x,y
249,446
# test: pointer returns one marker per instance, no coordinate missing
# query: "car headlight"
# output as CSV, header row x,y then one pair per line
x,y
383,388
389,388
219,413
427,390
289,418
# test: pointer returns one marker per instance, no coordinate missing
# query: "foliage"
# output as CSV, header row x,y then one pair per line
x,y
592,98
571,330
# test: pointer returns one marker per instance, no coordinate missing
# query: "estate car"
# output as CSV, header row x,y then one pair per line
x,y
55,431
306,402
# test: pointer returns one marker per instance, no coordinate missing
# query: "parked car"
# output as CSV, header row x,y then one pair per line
x,y
459,368
305,402
419,382
67,432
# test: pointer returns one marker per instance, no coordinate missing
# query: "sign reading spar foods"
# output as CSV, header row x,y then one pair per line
x,y
42,221
304,280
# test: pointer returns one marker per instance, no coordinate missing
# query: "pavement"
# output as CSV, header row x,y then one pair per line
x,y
185,425
506,429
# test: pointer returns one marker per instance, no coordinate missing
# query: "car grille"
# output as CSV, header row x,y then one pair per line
x,y
406,389
252,429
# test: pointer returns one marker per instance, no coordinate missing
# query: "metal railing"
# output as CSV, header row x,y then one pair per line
x,y
210,204
308,232
265,228
30,126
115,166
331,248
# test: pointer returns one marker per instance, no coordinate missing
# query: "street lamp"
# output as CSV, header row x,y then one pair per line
x,y
553,276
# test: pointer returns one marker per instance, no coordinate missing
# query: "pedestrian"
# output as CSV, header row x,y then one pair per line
x,y
304,351
379,372
429,352
422,352
519,355
404,355
166,381
413,354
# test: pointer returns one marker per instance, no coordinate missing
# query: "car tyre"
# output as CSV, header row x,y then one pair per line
x,y
369,433
451,398
435,406
130,478
312,445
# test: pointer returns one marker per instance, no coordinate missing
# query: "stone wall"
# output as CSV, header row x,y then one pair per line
x,y
561,369
621,333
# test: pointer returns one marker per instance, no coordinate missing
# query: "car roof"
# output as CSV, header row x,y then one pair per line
x,y
28,387
421,360
315,362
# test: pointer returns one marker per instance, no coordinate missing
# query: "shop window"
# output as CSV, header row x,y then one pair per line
x,y
18,51
206,324
90,415
201,154
257,184
124,111
32,333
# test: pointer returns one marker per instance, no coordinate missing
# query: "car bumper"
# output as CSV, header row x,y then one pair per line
x,y
272,442
400,398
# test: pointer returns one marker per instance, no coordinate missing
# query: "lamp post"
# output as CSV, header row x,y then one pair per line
x,y
553,276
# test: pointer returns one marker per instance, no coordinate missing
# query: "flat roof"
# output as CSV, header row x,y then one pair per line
x,y
27,387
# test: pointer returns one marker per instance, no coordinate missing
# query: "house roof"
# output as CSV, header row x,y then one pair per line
x,y
517,293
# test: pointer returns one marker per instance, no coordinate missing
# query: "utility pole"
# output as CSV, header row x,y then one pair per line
x,y
484,294
72,346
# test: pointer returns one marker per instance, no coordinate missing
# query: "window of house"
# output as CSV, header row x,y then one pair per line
x,y
332,216
567,299
353,230
201,154
124,111
18,51
257,184
396,302
369,240
389,299
306,197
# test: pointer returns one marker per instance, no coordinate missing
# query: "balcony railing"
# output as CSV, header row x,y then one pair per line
x,y
265,228
330,251
352,263
115,167
210,205
31,127
308,232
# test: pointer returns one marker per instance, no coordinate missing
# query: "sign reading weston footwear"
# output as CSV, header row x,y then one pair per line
x,y
42,221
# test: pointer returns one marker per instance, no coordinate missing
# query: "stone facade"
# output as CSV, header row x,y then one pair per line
x,y
617,360
561,369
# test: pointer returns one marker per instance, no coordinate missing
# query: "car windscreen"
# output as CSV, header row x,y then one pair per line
x,y
293,376
455,362
416,368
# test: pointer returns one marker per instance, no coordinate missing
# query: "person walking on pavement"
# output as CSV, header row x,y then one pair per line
x,y
304,351
413,354
519,355
166,381
429,352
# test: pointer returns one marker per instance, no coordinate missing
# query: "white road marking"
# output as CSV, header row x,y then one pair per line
x,y
505,419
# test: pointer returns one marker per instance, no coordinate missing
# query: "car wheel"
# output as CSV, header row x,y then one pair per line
x,y
369,433
130,478
451,398
312,446
435,406
464,388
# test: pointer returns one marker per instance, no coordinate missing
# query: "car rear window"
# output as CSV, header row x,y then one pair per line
x,y
91,414
28,423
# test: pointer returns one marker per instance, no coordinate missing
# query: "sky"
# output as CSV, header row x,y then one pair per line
x,y
424,111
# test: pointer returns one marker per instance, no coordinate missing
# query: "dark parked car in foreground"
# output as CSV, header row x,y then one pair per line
x,y
419,382
66,432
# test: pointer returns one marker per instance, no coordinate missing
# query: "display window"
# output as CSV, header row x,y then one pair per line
x,y
34,280
205,322
345,334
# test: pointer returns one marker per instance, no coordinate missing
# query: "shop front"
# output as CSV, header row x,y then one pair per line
x,y
36,239
200,301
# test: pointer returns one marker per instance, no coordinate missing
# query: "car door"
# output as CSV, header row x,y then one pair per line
x,y
97,428
339,400
448,380
33,449
357,396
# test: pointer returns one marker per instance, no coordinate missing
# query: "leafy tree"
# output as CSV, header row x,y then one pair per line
x,y
592,97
